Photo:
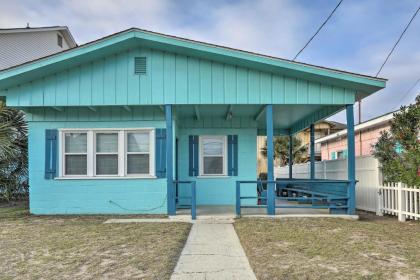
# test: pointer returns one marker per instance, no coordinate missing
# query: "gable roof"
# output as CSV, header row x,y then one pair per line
x,y
380,120
64,30
133,37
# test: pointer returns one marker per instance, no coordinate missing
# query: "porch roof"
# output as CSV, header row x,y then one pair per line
x,y
287,119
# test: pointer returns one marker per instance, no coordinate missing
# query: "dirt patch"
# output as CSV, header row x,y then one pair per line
x,y
331,248
83,247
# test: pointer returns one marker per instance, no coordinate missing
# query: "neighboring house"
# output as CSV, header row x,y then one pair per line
x,y
334,146
322,129
19,45
114,122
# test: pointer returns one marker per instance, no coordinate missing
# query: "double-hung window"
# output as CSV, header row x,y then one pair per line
x,y
138,156
75,153
213,155
106,155
95,153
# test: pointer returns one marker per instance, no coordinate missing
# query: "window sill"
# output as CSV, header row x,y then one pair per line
x,y
212,176
104,177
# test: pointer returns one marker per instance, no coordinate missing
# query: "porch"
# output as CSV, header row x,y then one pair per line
x,y
241,193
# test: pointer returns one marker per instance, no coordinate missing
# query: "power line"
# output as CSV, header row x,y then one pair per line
x,y
407,92
319,29
399,39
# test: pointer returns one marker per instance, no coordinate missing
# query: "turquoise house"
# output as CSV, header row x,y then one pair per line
x,y
131,122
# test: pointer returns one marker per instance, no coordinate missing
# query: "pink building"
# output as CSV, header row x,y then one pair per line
x,y
334,146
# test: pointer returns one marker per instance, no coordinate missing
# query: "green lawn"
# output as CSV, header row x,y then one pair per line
x,y
82,247
331,248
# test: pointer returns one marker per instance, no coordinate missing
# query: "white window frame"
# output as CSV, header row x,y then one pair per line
x,y
60,40
63,153
201,155
91,153
95,153
150,153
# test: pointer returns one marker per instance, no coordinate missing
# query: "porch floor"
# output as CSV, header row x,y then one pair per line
x,y
229,210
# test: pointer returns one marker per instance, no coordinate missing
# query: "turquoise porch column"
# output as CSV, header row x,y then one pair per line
x,y
312,141
351,161
290,156
169,161
271,210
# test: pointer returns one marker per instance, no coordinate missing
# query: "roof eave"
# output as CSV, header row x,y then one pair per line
x,y
69,37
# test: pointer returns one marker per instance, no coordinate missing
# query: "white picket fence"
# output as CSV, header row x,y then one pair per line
x,y
368,176
400,200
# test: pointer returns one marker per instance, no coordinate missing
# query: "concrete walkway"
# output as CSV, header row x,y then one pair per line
x,y
213,251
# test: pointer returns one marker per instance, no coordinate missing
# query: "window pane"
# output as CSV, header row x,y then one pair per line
x,y
75,142
76,165
213,165
138,164
138,142
213,146
107,164
107,142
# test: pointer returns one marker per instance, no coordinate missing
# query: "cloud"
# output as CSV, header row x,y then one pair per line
x,y
357,38
268,25
263,26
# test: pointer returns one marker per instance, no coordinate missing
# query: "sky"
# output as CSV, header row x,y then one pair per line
x,y
357,38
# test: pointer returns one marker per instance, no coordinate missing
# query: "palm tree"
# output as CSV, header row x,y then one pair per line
x,y
13,153
281,150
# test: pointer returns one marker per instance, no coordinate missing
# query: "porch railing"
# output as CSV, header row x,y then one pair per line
x,y
320,194
192,197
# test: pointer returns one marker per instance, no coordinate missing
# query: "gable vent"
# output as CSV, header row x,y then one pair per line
x,y
140,65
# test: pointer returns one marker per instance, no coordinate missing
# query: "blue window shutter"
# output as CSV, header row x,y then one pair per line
x,y
193,156
233,155
333,155
51,136
160,155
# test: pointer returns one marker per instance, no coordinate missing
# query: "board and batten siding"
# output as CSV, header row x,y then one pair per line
x,y
170,79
